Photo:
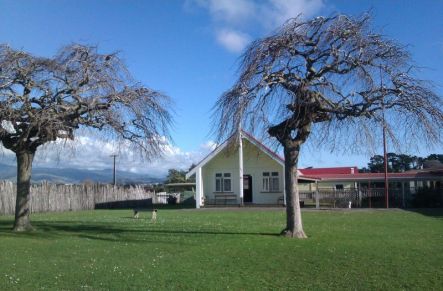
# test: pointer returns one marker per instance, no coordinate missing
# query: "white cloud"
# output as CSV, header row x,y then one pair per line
x,y
91,154
209,145
5,155
277,12
233,41
232,18
230,11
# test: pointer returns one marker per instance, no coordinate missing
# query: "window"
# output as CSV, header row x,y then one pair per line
x,y
271,182
339,187
274,182
223,182
266,181
218,182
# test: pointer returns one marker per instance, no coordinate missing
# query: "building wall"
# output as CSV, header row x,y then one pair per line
x,y
332,184
306,186
411,183
255,162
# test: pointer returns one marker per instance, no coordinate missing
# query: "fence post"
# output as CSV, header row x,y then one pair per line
x,y
357,198
317,199
403,194
47,197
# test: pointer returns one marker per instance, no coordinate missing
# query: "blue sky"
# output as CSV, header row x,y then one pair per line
x,y
189,50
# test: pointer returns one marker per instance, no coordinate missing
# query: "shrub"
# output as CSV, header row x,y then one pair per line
x,y
172,200
428,198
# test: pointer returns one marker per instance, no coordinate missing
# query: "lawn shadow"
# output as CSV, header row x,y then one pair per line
x,y
432,212
107,232
210,232
101,232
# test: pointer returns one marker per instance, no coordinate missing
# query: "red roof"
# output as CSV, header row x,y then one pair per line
x,y
345,173
327,171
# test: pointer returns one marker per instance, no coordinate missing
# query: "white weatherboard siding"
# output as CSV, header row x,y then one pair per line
x,y
221,163
331,185
326,185
255,162
240,165
199,188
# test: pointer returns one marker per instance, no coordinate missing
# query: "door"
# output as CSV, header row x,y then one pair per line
x,y
247,188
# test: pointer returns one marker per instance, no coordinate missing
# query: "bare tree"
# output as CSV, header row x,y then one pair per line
x,y
334,80
46,99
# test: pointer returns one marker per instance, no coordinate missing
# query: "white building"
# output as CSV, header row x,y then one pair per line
x,y
249,173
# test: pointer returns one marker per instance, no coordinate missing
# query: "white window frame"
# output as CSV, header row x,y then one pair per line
x,y
222,178
271,181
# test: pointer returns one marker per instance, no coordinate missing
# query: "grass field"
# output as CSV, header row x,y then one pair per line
x,y
224,249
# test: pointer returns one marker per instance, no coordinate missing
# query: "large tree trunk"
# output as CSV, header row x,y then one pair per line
x,y
23,202
299,125
294,226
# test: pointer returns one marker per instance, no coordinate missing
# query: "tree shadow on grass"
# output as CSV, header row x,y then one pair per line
x,y
107,232
51,229
432,212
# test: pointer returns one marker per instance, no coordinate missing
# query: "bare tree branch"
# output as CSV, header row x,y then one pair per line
x,y
332,79
45,99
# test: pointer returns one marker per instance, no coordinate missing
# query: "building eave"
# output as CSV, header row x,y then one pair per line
x,y
206,159
219,148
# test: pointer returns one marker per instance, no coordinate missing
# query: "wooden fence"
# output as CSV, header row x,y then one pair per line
x,y
46,197
374,197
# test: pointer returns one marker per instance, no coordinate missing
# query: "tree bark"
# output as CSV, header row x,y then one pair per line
x,y
294,226
23,202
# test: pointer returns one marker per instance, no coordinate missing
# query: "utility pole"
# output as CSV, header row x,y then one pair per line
x,y
385,154
114,176
240,153
386,164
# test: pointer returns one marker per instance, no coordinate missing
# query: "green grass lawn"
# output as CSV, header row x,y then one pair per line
x,y
224,249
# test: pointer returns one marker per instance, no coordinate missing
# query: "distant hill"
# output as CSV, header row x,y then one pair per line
x,y
75,176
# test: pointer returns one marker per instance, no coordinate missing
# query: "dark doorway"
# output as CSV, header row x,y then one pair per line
x,y
247,188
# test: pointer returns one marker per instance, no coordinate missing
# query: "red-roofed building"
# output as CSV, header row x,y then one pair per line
x,y
351,175
334,171
347,179
248,172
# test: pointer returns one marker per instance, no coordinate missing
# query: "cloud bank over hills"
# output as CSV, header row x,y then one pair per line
x,y
90,158
77,176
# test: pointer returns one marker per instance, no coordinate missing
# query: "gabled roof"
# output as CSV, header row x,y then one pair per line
x,y
246,136
273,155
